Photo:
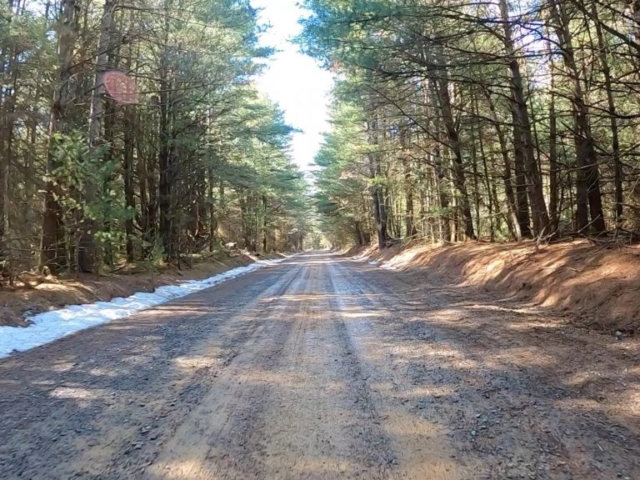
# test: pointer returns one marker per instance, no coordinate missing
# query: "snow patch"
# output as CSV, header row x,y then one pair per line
x,y
49,326
373,262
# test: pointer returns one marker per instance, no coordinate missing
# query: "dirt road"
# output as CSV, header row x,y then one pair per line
x,y
325,368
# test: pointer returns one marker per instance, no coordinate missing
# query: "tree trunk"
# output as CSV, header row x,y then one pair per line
x,y
476,180
380,216
213,220
487,180
264,223
589,198
611,107
6,135
439,178
9,59
5,149
522,198
379,210
410,228
87,249
129,193
53,243
554,166
164,136
522,124
513,219
459,179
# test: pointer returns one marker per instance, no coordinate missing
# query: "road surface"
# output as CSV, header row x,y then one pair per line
x,y
324,368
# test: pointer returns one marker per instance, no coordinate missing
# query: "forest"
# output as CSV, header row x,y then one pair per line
x,y
502,120
450,121
188,155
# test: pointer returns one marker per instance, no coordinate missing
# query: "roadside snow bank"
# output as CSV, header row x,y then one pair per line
x,y
49,326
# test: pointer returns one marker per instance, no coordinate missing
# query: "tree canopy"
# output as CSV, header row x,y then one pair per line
x,y
200,158
455,120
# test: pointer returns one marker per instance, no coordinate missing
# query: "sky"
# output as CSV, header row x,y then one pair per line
x,y
294,80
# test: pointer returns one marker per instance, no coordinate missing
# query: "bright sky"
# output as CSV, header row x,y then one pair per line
x,y
295,81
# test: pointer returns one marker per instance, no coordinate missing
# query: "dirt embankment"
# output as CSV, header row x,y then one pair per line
x,y
596,287
24,300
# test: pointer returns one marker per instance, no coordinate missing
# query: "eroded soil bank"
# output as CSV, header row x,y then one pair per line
x,y
53,293
594,286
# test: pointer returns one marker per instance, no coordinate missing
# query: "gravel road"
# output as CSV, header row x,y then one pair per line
x,y
325,368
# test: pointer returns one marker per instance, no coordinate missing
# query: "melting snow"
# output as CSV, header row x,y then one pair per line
x,y
49,326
